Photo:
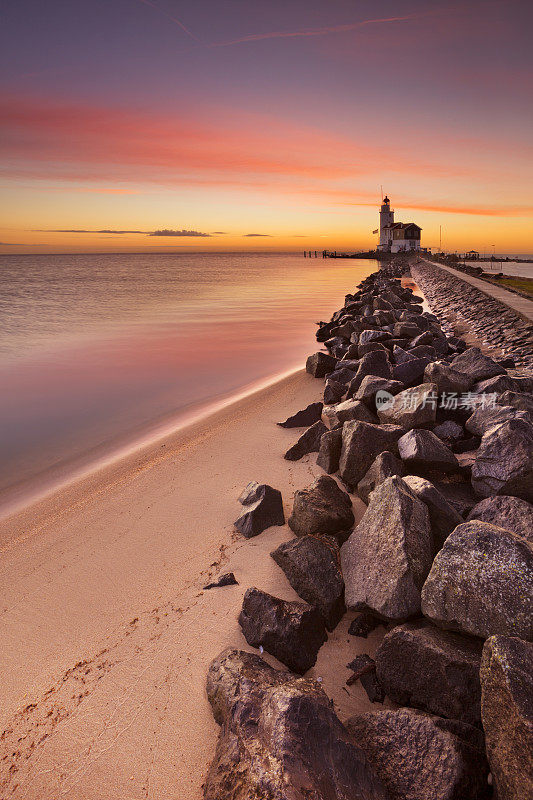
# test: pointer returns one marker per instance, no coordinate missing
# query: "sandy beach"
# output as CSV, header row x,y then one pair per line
x,y
107,634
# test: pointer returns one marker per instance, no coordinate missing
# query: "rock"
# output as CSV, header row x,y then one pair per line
x,y
406,330
228,579
364,624
330,451
371,347
364,669
504,463
425,351
374,363
309,442
290,631
372,384
481,582
323,508
476,365
388,556
444,517
410,372
496,385
361,443
519,400
422,666
312,567
336,416
333,391
369,336
422,450
507,713
423,757
412,408
449,431
459,495
303,418
263,508
280,738
319,364
401,356
484,418
422,339
511,513
384,466
447,378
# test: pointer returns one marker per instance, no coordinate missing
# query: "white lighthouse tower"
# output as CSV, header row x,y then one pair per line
x,y
386,219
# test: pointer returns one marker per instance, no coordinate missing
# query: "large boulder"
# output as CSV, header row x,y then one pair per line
x,y
386,465
507,512
485,418
263,507
312,567
290,631
320,364
422,450
443,516
308,416
481,582
371,384
411,372
446,378
335,416
423,757
333,392
504,463
507,714
374,363
361,443
519,400
438,671
322,508
280,738
388,556
329,452
309,442
412,408
476,365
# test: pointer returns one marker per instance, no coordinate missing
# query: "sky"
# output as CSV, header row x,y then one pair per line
x,y
165,125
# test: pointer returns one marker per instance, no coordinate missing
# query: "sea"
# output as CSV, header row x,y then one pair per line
x,y
102,353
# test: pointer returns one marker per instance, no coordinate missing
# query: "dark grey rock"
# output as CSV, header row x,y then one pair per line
x,y
423,757
447,378
361,443
336,416
388,556
309,442
312,567
375,363
476,365
319,364
323,508
271,744
422,666
507,713
333,392
290,631
363,624
484,418
412,408
263,508
401,356
228,579
372,384
364,669
422,450
330,451
511,513
496,385
504,463
386,465
304,418
444,517
459,495
481,582
449,431
519,400
410,372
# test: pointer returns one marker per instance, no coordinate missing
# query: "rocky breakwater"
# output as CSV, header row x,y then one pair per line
x,y
437,439
453,299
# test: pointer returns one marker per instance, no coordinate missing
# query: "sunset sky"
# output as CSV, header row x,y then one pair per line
x,y
247,125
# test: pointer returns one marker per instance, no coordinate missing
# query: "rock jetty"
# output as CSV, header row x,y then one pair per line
x,y
436,438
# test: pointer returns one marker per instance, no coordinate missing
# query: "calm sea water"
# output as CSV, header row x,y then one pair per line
x,y
99,350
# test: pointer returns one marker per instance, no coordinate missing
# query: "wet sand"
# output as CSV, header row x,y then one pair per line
x,y
106,632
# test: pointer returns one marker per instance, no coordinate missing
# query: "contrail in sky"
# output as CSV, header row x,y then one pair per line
x,y
174,19
306,32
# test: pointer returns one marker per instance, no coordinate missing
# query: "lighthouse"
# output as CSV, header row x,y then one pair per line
x,y
396,237
386,218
